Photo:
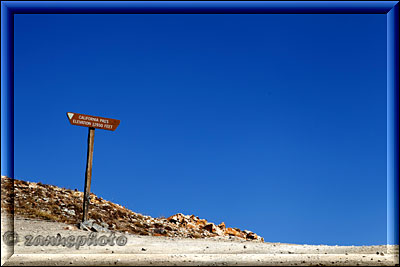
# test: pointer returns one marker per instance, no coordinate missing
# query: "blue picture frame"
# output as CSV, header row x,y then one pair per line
x,y
390,8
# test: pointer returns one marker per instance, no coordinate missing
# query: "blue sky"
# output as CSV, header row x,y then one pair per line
x,y
271,123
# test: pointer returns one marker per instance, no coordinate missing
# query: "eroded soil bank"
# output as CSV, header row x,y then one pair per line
x,y
170,251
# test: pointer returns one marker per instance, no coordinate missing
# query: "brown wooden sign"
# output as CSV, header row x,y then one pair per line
x,y
92,121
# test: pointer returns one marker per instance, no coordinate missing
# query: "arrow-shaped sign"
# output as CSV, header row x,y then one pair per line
x,y
93,121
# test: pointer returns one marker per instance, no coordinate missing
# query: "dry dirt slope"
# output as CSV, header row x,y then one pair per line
x,y
46,210
49,202
170,251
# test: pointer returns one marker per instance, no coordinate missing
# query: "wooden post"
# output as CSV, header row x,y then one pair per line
x,y
88,175
91,122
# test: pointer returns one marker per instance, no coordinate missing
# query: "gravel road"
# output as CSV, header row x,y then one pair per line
x,y
127,249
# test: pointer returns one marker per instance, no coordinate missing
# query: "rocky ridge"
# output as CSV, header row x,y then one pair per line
x,y
49,202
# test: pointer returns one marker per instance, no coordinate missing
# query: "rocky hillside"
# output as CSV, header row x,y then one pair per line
x,y
49,202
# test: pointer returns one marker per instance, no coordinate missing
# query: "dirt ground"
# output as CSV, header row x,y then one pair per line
x,y
127,249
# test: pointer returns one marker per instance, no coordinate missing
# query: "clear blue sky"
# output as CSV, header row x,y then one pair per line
x,y
271,123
